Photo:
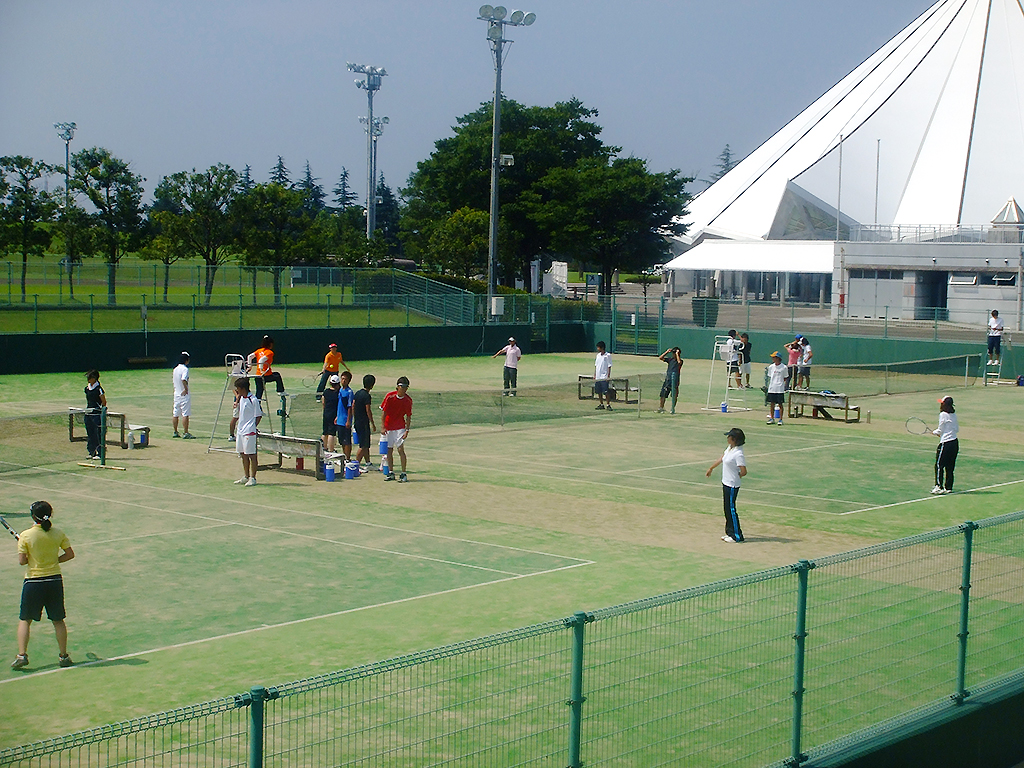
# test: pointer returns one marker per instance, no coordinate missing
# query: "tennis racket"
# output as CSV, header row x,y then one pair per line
x,y
9,529
309,382
916,426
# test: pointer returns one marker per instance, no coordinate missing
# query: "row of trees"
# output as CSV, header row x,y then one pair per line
x,y
568,195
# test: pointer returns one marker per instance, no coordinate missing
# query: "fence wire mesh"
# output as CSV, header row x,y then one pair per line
x,y
496,701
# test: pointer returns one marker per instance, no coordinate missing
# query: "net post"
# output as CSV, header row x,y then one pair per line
x,y
800,637
962,693
103,436
577,623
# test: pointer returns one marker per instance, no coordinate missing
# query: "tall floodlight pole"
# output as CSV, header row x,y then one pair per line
x,y
378,129
371,85
67,132
496,23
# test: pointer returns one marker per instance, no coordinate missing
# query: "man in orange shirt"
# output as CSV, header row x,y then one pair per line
x,y
260,363
332,367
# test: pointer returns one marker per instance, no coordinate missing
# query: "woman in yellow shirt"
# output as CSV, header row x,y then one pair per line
x,y
43,548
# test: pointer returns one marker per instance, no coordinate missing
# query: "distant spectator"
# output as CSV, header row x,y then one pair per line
x,y
670,388
602,377
182,398
804,371
995,337
95,399
745,359
794,349
512,354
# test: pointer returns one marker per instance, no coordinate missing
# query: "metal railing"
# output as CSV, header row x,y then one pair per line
x,y
765,668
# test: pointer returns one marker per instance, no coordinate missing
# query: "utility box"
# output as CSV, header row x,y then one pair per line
x,y
497,305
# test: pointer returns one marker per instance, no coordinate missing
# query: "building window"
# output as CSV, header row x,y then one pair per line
x,y
963,278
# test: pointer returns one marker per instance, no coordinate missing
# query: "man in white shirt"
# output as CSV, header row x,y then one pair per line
x,y
512,354
778,373
803,379
249,415
602,377
995,337
182,399
733,348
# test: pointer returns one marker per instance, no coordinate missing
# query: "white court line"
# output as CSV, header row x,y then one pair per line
x,y
930,497
151,535
753,455
303,512
293,622
277,531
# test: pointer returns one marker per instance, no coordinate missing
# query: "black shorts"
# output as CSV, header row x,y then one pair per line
x,y
330,428
344,435
775,397
804,370
362,436
601,387
734,367
46,591
993,344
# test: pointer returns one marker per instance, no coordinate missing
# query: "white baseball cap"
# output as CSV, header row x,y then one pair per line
x,y
335,379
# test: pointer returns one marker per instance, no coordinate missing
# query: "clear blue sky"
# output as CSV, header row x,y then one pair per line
x,y
172,85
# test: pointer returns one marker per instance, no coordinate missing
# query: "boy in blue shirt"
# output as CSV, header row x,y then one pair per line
x,y
346,398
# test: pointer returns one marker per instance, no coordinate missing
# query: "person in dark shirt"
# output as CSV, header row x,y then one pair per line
x,y
362,418
674,359
745,359
329,402
95,398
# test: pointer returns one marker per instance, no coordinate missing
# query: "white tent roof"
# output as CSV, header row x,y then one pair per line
x,y
809,256
940,108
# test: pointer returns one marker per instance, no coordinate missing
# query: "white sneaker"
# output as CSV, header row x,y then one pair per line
x,y
936,490
250,482
241,481
770,421
728,539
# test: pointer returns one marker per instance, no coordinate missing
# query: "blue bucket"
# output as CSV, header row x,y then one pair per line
x,y
725,407
329,471
351,470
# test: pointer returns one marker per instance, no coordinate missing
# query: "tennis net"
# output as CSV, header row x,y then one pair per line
x,y
37,440
866,379
475,407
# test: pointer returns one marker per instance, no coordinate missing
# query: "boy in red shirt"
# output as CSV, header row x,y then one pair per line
x,y
397,407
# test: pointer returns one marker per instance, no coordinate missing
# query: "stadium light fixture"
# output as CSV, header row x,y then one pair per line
x,y
371,85
495,16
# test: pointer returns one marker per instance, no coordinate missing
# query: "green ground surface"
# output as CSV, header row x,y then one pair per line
x,y
191,588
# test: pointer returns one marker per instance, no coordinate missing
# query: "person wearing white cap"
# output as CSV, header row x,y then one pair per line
x,y
329,402
775,397
182,399
512,353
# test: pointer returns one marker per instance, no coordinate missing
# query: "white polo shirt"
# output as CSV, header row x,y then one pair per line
x,y
732,460
179,376
777,377
512,355
248,411
995,326
603,366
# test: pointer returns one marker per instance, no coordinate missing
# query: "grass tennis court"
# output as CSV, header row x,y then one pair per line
x,y
187,587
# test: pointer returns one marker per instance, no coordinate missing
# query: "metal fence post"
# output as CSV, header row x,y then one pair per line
x,y
257,695
936,311
407,310
962,693
576,698
286,311
328,310
92,309
193,311
885,323
800,636
239,312
35,313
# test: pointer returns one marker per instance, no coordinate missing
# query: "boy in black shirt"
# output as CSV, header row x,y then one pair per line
x,y
95,399
362,419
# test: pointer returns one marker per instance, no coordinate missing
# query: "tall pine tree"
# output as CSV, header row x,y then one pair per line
x,y
245,182
344,197
314,192
279,174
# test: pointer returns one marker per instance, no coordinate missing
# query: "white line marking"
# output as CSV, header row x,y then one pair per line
x,y
151,535
929,497
80,495
293,622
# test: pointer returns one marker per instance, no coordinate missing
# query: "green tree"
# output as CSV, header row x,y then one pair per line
x,y
726,162
344,197
192,212
613,215
245,182
279,174
458,174
313,191
25,208
458,245
116,194
272,222
77,229
388,217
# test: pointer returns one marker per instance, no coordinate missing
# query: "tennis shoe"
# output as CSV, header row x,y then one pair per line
x,y
175,435
21,660
936,490
607,407
241,481
402,478
231,438
188,436
728,539
250,482
64,660
779,422
389,476
946,490
599,408
660,410
770,421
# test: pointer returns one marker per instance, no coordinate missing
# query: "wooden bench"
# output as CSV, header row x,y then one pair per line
x,y
619,390
298,448
820,402
121,420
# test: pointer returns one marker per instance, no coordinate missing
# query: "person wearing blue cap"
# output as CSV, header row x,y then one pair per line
x,y
734,467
